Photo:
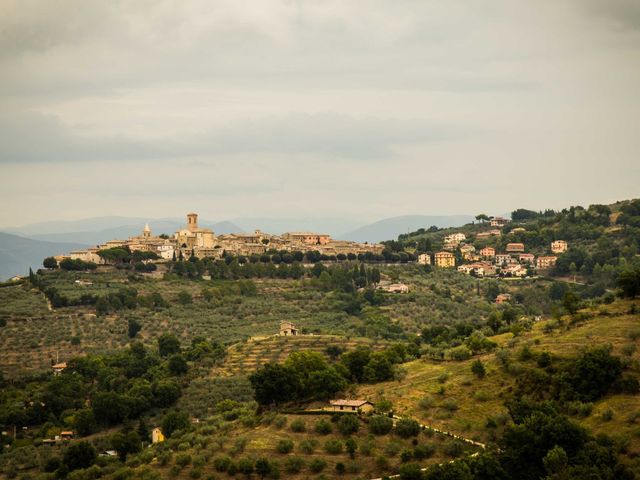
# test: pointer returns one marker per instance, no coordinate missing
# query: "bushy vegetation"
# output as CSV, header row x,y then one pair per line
x,y
307,375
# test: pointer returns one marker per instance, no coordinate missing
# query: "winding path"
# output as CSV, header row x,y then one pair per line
x,y
442,432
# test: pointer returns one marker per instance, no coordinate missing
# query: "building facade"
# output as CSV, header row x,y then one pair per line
x,y
445,260
559,246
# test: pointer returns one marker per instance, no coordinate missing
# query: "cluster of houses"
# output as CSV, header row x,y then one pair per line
x,y
513,262
202,242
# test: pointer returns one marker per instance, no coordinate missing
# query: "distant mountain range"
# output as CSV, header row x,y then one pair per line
x,y
17,254
390,228
21,247
93,231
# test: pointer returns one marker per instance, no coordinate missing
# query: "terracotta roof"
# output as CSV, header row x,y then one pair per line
x,y
349,403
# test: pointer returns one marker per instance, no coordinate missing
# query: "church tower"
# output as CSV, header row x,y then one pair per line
x,y
192,221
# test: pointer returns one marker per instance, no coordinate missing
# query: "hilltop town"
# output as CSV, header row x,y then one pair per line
x,y
458,249
199,242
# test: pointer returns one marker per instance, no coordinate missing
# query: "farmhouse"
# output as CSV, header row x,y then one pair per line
x,y
288,329
354,406
395,288
58,368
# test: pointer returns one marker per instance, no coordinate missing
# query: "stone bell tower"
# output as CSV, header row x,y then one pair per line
x,y
192,221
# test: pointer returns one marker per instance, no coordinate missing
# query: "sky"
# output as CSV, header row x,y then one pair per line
x,y
358,109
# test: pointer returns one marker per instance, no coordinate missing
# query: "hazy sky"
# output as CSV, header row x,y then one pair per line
x,y
359,109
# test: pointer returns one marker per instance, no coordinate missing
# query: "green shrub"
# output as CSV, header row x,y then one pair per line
x,y
308,445
333,447
379,425
450,404
322,427
280,421
298,426
221,464
293,465
392,449
317,465
423,451
407,427
183,459
410,471
245,465
454,448
284,446
406,455
426,402
348,424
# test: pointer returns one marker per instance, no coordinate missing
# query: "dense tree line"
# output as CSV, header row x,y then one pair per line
x,y
586,378
542,443
306,375
99,391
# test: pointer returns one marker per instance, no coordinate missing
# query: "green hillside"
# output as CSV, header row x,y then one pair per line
x,y
544,385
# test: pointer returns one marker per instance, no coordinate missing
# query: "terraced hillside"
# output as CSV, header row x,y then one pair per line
x,y
243,358
34,335
449,396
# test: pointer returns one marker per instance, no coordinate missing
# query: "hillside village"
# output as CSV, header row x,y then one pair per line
x,y
193,240
460,250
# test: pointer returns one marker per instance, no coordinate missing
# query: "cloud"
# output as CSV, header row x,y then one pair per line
x,y
624,14
376,108
40,138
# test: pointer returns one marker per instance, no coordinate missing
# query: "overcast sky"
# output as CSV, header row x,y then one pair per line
x,y
358,109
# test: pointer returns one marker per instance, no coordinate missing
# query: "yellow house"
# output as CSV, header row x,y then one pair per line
x,y
156,435
445,259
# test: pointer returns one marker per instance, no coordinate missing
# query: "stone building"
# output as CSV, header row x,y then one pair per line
x,y
288,329
194,237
